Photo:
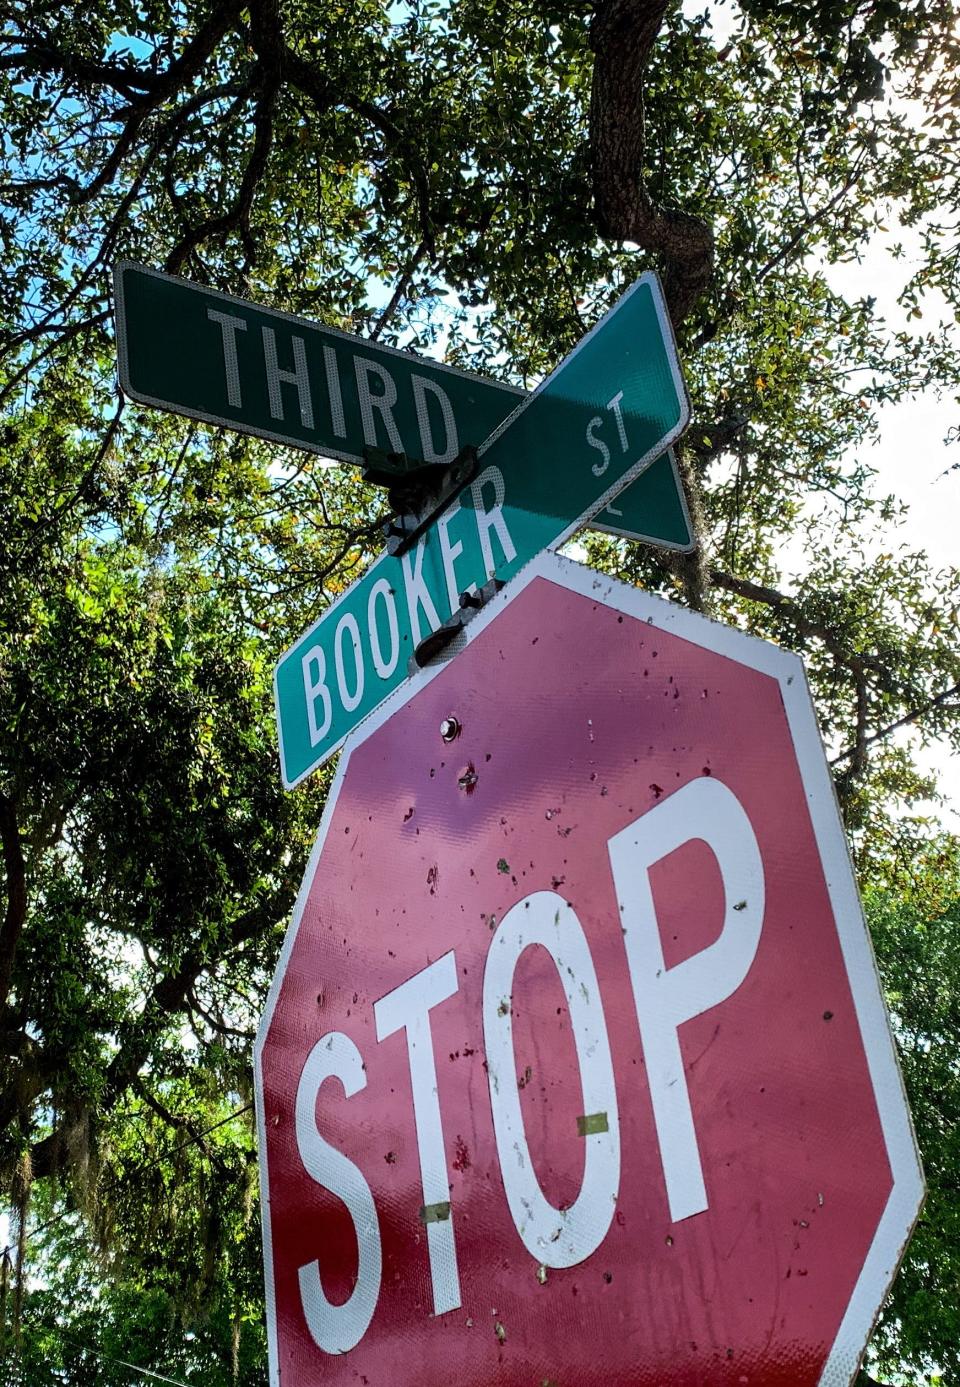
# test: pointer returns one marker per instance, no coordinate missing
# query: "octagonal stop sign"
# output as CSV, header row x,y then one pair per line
x,y
575,1069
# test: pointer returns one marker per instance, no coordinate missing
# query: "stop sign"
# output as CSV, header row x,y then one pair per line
x,y
575,1069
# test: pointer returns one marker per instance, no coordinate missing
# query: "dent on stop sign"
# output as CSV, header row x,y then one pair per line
x,y
575,1069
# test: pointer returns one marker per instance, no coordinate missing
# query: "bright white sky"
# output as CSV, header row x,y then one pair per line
x,y
910,458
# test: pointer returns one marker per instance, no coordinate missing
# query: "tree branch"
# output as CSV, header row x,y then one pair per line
x,y
167,1000
304,76
398,294
907,720
238,216
41,60
16,875
172,1119
190,63
181,71
856,662
622,35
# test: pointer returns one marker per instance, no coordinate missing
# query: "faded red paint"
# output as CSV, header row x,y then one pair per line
x,y
576,721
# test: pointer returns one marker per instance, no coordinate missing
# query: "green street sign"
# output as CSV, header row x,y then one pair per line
x,y
599,421
220,359
653,509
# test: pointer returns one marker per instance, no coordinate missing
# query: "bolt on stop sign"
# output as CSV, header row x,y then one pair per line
x,y
575,1069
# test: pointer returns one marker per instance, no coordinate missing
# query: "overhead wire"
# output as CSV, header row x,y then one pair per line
x,y
191,1140
120,1362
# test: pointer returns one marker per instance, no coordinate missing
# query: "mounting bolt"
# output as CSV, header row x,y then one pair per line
x,y
450,729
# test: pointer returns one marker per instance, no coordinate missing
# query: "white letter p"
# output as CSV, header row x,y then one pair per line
x,y
667,997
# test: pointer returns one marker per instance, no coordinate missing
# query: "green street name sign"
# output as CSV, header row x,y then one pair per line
x,y
604,416
220,359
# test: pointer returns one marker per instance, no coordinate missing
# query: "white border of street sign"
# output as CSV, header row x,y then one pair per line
x,y
906,1197
650,279
297,320
622,531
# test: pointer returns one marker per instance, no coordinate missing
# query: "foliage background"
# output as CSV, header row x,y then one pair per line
x,y
476,179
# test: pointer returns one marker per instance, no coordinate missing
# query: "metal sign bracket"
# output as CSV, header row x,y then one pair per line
x,y
470,603
418,492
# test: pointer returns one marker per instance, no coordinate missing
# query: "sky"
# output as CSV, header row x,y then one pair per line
x,y
910,456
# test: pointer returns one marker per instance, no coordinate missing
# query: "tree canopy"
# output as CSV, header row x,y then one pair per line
x,y
476,180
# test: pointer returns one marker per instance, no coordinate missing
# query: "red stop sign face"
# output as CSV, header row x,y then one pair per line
x,y
575,1069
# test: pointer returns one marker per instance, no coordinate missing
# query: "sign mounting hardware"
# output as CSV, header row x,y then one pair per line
x,y
601,420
